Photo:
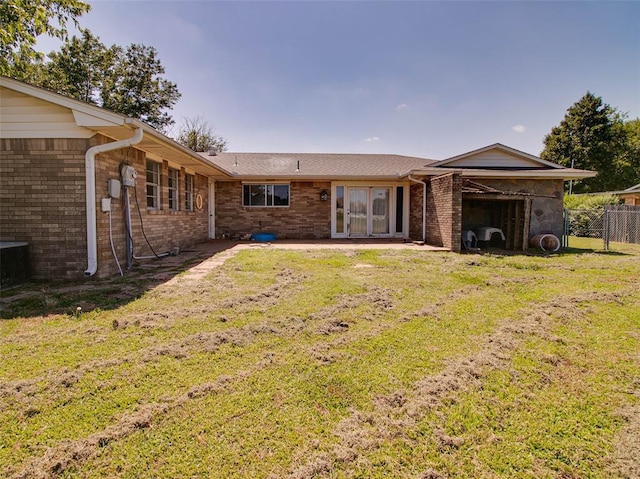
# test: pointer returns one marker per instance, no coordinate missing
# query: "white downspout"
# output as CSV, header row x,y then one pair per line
x,y
90,172
424,206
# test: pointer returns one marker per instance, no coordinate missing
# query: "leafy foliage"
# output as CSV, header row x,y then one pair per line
x,y
197,134
594,136
588,202
23,21
586,213
77,69
134,86
125,80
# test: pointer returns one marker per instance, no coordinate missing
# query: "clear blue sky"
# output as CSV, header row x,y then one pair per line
x,y
430,79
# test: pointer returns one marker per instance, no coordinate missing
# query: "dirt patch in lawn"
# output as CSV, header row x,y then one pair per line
x,y
626,445
56,460
396,414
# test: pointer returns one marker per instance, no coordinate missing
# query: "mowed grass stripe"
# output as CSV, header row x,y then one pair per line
x,y
387,302
334,389
551,411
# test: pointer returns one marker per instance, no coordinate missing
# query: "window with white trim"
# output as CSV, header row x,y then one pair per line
x,y
188,192
269,195
173,178
153,185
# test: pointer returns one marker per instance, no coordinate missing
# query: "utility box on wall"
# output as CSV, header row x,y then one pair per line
x,y
14,263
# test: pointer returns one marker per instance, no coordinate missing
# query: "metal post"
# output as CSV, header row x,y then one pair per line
x,y
565,228
605,230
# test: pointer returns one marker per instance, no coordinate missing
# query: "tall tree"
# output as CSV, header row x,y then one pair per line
x,y
589,137
23,21
133,86
197,134
77,70
629,159
125,80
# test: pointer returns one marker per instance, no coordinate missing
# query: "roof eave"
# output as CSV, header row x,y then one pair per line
x,y
99,120
561,173
167,142
294,177
502,147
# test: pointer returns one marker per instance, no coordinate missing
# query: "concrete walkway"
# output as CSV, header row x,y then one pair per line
x,y
194,263
218,251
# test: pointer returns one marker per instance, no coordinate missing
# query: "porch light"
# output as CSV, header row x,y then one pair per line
x,y
324,195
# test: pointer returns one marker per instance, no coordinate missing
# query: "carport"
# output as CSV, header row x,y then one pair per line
x,y
484,206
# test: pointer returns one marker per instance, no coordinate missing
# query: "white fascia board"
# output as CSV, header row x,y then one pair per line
x,y
563,173
292,178
556,173
97,119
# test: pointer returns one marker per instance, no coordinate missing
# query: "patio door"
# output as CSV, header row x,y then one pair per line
x,y
368,211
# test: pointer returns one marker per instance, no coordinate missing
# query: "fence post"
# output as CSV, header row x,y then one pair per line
x,y
605,229
565,227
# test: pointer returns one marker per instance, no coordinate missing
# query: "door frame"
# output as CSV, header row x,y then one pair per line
x,y
346,185
212,209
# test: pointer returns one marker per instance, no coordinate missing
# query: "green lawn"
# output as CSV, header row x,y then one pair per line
x,y
335,364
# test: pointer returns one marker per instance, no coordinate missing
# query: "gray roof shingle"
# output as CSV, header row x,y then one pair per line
x,y
316,165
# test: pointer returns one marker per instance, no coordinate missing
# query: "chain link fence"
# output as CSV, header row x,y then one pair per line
x,y
618,223
622,224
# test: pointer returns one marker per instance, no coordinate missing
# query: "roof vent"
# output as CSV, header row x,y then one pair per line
x,y
213,152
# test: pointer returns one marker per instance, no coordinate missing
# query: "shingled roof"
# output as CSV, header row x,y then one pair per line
x,y
316,165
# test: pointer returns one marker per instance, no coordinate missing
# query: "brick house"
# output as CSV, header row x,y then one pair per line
x,y
61,157
391,196
91,191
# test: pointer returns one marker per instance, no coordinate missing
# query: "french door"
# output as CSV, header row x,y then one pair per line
x,y
368,211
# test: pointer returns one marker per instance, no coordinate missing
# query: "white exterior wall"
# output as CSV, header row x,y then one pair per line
x,y
23,116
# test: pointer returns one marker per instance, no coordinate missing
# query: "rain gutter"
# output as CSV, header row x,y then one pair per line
x,y
90,172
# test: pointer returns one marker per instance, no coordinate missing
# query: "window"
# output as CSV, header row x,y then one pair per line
x,y
153,185
174,176
339,198
188,192
265,195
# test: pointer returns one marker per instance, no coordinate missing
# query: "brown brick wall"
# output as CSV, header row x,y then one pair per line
x,y
415,212
42,201
444,211
307,217
42,188
164,229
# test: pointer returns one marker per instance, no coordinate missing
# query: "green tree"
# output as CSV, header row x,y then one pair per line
x,y
591,136
133,86
78,69
22,21
629,157
125,80
197,134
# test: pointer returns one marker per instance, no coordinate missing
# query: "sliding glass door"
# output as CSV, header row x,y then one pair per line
x,y
358,212
368,211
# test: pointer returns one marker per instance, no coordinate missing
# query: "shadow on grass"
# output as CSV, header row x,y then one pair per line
x,y
578,251
536,252
72,297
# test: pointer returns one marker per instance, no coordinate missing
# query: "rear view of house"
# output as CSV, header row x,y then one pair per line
x,y
90,191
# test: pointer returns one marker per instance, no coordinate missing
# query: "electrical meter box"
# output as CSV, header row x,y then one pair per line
x,y
129,175
113,188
